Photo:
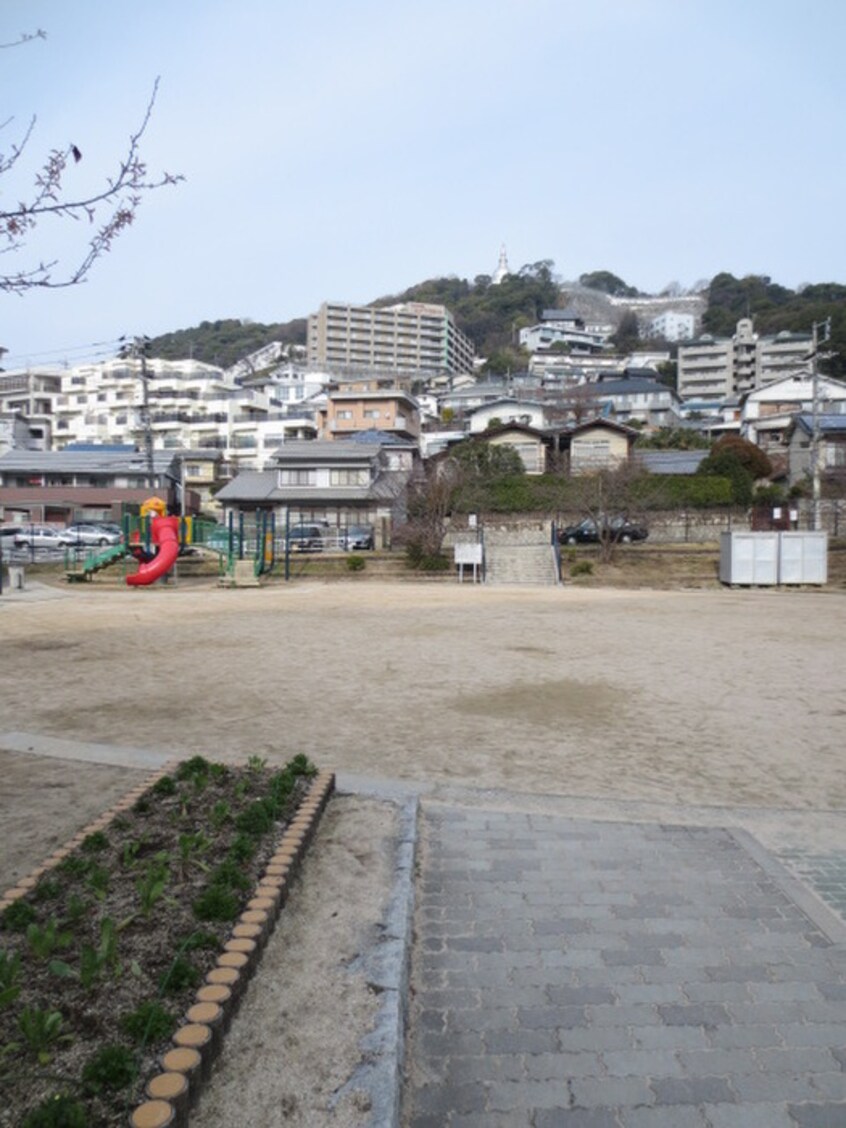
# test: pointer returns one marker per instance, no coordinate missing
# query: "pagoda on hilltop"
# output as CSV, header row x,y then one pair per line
x,y
501,267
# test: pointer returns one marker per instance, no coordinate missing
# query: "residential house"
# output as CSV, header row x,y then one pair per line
x,y
831,449
340,483
93,484
354,408
597,444
528,413
766,413
531,443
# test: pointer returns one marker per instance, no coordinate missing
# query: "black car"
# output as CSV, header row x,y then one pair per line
x,y
588,531
356,537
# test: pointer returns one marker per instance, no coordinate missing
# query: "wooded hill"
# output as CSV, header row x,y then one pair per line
x,y
493,315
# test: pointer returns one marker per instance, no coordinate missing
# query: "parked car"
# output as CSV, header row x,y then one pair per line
x,y
9,532
306,538
356,537
588,532
39,536
83,533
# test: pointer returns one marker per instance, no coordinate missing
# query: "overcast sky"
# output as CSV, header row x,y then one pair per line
x,y
345,151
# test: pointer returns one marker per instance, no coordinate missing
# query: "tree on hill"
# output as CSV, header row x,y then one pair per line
x,y
775,309
608,283
225,342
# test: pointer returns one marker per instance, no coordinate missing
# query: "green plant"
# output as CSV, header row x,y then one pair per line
x,y
141,806
74,866
181,974
356,563
218,772
129,853
58,1111
42,1029
255,819
152,885
93,961
581,568
95,842
44,940
219,814
216,903
256,764
10,967
98,881
243,848
196,767
200,939
165,785
47,889
18,916
113,1068
149,1022
77,909
192,848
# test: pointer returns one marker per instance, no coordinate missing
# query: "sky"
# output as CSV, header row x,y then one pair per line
x,y
344,152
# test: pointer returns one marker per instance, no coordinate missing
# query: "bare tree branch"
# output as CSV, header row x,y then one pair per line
x,y
119,200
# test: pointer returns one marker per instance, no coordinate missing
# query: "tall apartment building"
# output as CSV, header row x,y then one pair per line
x,y
410,338
711,369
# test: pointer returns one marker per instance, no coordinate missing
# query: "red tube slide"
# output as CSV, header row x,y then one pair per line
x,y
165,533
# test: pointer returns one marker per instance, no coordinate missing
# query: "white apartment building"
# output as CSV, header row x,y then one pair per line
x,y
28,396
672,326
191,405
711,369
412,338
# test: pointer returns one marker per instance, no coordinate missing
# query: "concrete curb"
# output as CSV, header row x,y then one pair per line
x,y
387,968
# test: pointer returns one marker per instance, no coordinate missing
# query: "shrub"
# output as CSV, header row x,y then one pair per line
x,y
356,563
181,974
581,568
113,1068
149,1022
94,843
58,1111
164,786
216,903
18,917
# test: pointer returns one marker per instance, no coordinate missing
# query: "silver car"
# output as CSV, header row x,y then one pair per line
x,y
83,533
39,536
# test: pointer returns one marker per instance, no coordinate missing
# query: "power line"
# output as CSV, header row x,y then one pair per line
x,y
94,349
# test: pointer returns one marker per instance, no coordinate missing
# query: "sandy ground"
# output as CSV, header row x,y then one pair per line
x,y
726,705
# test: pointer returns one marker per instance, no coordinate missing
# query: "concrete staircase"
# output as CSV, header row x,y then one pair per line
x,y
519,556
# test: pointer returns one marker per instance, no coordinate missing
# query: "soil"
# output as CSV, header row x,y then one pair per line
x,y
117,925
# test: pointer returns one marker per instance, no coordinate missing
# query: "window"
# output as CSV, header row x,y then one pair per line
x,y
372,413
349,477
343,415
297,477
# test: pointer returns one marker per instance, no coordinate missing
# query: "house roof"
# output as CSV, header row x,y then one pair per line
x,y
631,386
93,461
323,452
829,424
256,486
670,461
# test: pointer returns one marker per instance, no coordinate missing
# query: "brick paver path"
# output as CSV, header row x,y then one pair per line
x,y
610,975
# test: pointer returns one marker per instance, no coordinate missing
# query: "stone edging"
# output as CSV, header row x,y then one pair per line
x,y
197,1042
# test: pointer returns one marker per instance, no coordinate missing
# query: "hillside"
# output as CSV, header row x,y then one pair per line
x,y
493,315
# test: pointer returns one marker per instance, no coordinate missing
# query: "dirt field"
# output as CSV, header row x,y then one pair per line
x,y
726,697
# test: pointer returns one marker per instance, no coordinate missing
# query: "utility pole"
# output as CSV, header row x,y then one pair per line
x,y
821,331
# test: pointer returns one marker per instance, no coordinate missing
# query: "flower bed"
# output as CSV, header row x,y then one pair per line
x,y
107,953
